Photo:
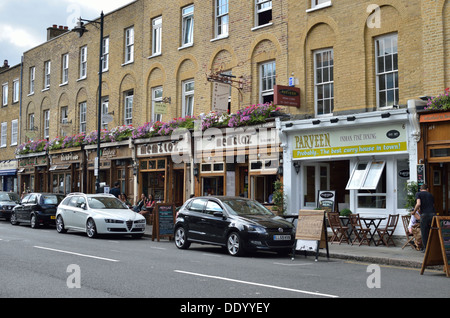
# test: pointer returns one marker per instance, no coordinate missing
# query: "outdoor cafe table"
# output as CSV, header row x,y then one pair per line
x,y
371,222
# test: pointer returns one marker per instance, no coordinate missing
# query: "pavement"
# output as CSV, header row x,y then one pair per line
x,y
383,255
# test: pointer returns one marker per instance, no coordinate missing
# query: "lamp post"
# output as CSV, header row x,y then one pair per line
x,y
81,29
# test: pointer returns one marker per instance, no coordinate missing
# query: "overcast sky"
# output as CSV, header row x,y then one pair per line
x,y
24,23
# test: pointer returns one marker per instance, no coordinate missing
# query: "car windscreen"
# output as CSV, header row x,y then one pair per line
x,y
106,203
52,199
246,207
10,196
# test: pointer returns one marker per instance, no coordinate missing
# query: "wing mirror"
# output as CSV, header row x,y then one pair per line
x,y
218,214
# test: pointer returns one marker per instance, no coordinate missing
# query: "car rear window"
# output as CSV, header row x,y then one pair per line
x,y
52,199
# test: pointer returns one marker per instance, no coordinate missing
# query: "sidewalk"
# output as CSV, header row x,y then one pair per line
x,y
393,255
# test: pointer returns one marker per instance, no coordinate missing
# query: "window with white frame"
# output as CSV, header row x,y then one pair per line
x,y
324,82
222,18
156,35
14,132
267,81
369,178
5,94
129,45
263,12
47,70
188,98
386,61
83,109
16,90
128,116
64,119
65,69
4,133
187,37
105,54
157,97
105,107
32,78
318,4
83,62
31,122
46,124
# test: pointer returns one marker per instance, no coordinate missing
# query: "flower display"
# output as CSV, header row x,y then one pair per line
x,y
251,115
440,102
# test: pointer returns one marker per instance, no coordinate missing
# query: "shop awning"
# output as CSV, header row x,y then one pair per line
x,y
8,172
59,167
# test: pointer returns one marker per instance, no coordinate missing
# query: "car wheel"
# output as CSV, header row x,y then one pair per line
x,y
33,223
13,219
181,239
91,230
234,244
60,225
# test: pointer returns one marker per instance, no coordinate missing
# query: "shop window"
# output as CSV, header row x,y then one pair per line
x,y
370,179
215,167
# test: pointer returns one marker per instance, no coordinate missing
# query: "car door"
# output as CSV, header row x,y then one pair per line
x,y
80,213
194,218
215,222
28,207
18,210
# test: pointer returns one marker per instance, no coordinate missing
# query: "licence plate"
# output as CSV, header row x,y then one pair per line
x,y
139,226
281,237
52,217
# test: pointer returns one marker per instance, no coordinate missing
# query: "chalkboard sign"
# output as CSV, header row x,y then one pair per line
x,y
311,232
163,220
326,200
438,246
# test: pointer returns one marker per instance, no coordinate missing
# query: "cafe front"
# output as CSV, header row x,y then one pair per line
x,y
116,164
243,161
67,170
33,172
164,168
434,156
365,159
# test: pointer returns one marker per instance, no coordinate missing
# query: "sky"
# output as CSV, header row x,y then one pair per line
x,y
24,23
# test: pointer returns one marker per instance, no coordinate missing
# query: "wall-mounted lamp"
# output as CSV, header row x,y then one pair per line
x,y
316,122
334,120
297,166
386,115
196,170
351,118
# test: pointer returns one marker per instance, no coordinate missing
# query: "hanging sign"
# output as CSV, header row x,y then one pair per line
x,y
286,96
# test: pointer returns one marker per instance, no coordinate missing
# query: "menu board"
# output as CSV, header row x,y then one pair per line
x,y
164,220
311,231
438,246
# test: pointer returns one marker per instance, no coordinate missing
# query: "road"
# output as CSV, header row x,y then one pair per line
x,y
43,263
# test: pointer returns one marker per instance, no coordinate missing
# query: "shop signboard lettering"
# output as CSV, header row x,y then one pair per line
x,y
358,141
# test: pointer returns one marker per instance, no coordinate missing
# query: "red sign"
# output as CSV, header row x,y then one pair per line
x,y
287,96
429,118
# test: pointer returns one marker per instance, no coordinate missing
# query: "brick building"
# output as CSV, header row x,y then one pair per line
x,y
9,134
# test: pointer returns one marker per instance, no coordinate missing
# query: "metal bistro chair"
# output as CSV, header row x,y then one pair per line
x,y
339,231
360,231
409,236
389,229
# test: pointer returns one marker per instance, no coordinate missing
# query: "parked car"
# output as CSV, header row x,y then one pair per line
x,y
237,223
8,200
98,214
36,209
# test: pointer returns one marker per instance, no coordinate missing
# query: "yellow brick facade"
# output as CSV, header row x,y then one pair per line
x,y
240,52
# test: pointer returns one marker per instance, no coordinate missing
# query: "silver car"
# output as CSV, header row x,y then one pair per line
x,y
98,214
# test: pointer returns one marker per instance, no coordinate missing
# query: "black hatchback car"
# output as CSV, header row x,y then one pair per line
x,y
8,200
237,223
36,209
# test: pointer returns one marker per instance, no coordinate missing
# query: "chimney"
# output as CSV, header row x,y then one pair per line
x,y
5,66
55,30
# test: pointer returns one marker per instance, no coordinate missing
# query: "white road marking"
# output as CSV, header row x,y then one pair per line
x,y
77,254
258,284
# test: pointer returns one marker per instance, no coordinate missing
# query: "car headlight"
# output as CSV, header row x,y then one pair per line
x,y
113,221
140,221
257,229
